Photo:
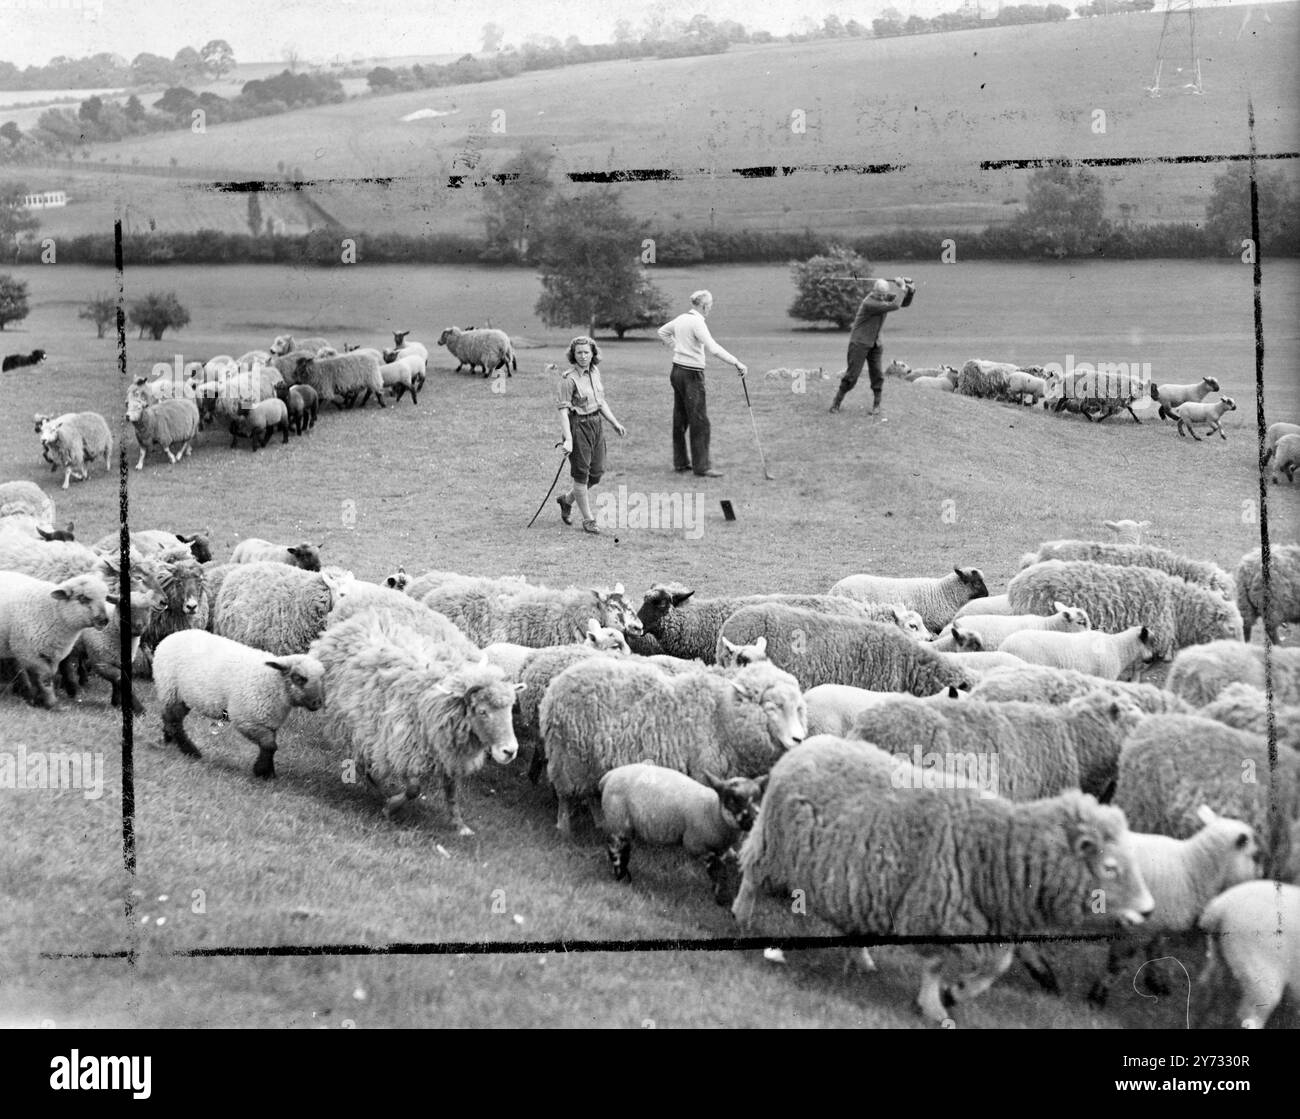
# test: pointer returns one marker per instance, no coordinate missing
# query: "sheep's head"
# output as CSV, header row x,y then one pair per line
x,y
450,332
968,641
1210,383
304,679
1228,404
282,345
399,337
1240,855
724,875
607,638
1098,838
41,421
398,579
56,533
306,555
86,597
738,798
658,602
200,544
778,694
742,655
973,579
911,623
487,700
1127,532
135,407
1073,617
183,582
616,612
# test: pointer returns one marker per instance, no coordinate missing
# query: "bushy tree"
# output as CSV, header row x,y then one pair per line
x,y
1064,212
830,286
381,77
512,208
646,308
156,312
217,57
101,310
1227,214
13,300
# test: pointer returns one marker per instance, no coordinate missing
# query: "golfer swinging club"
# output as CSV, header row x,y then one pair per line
x,y
864,339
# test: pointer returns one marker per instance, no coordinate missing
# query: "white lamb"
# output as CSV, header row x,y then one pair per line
x,y
1192,413
1108,655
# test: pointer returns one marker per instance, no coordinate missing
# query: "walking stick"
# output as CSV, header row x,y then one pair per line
x,y
766,473
563,459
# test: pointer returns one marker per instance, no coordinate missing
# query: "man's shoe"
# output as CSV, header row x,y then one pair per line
x,y
708,473
682,469
590,526
566,509
839,399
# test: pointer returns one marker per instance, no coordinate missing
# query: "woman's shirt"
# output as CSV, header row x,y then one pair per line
x,y
581,392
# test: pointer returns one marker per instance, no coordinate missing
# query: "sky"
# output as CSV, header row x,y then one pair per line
x,y
34,31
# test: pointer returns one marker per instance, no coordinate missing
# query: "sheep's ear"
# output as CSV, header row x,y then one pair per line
x,y
729,646
1059,607
761,644
60,594
762,783
1110,525
520,687
593,628
741,691
618,589
112,598
680,595
959,573
952,691
43,534
1206,814
1144,636
279,666
713,782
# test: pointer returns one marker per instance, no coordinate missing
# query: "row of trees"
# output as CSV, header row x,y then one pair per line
x,y
98,71
154,313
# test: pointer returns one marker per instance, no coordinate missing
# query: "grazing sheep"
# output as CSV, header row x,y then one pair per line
x,y
273,606
1284,579
1274,434
40,622
1247,708
993,604
832,708
26,497
408,708
227,680
1200,674
993,629
1288,458
405,374
78,438
874,848
1254,931
1171,764
254,549
1170,397
20,361
1040,684
824,649
534,616
1127,532
287,344
1191,414
341,378
491,349
609,711
162,425
303,404
1200,572
668,809
936,600
260,421
1021,384
1108,655
1176,612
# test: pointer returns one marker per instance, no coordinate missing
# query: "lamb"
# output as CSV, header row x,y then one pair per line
x,y
26,497
1288,458
1127,532
403,348
273,606
513,659
408,707
832,708
260,421
534,616
993,629
871,860
40,622
1133,555
303,404
491,349
993,604
405,374
944,382
78,438
224,679
254,549
1170,397
739,656
163,424
1040,684
1274,435
1254,931
1284,579
1021,384
666,808
937,600
1171,764
1108,655
1177,613
1191,414
21,361
824,649
339,379
608,711
1198,675
287,344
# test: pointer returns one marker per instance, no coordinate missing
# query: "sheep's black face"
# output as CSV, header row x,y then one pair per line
x,y
724,875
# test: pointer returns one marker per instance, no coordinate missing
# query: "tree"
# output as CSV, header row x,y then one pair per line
x,y
152,69
648,307
590,269
493,34
381,77
156,312
15,218
512,208
1227,214
101,310
13,300
1064,212
830,286
11,132
188,65
217,56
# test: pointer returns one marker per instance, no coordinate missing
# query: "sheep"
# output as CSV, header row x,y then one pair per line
x,y
1284,580
401,347
1127,531
237,394
1021,384
20,361
937,600
100,650
543,667
832,708
1200,572
984,378
663,807
155,540
23,526
1275,433
1108,655
263,420
1288,458
944,382
178,577
824,649
1176,612
993,604
534,616
253,359
1170,397
1191,414
40,622
223,679
1096,394
1171,764
513,659
26,497
608,711
1040,684
405,374
739,656
287,344
491,349
273,606
358,597
339,379
254,549
1039,750
897,368
162,425
1199,674
875,848
974,663
1247,708
993,629
408,707
78,438
1254,931
303,404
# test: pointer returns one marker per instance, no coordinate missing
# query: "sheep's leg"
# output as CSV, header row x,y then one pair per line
x,y
264,737
564,816
453,806
173,721
742,909
394,803
619,850
1039,968
597,816
67,475
1261,991
930,998
414,399
140,465
68,674
284,430
538,764
990,968
378,396
171,458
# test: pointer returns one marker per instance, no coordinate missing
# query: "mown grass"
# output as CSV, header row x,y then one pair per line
x,y
451,482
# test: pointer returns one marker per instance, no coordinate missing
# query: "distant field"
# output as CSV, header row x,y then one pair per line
x,y
940,104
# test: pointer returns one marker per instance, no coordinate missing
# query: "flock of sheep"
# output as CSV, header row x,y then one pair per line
x,y
911,757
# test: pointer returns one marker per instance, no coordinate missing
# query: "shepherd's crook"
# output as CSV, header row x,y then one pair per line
x,y
766,473
563,459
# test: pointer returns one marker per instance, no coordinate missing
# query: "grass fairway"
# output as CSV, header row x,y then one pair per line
x,y
227,860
